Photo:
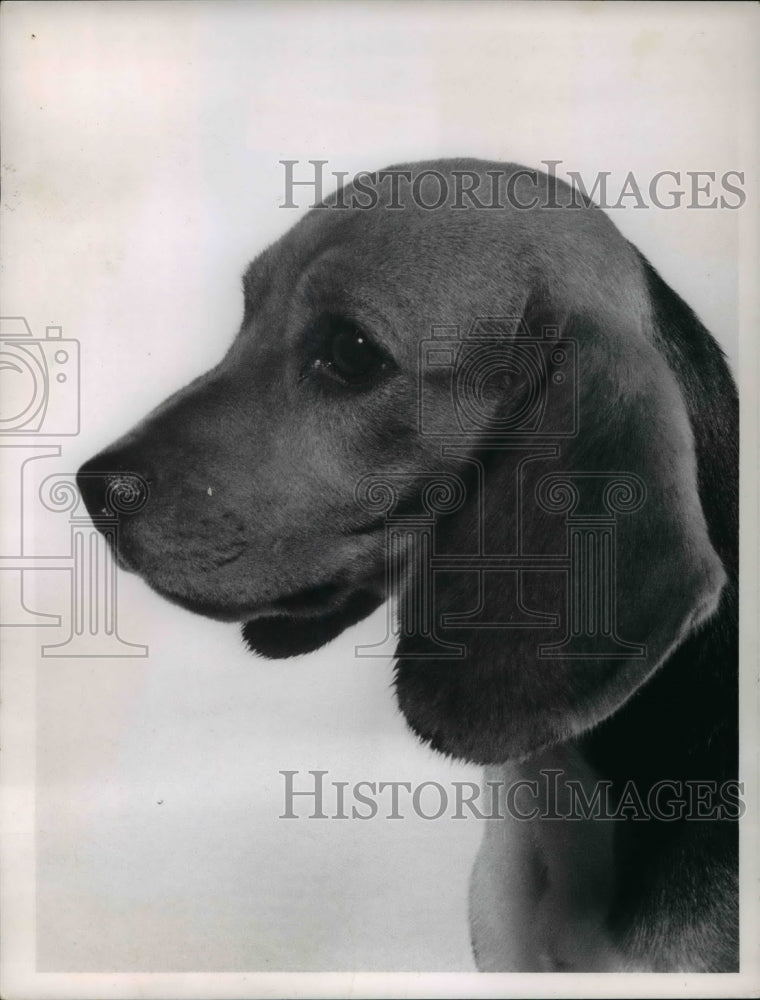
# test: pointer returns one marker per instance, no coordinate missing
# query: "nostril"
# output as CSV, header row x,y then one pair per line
x,y
109,490
125,493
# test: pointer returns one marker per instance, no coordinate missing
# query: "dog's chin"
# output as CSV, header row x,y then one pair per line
x,y
278,636
292,624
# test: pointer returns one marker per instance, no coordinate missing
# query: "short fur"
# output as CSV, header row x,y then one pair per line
x,y
253,517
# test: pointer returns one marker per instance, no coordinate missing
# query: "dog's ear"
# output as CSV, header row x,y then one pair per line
x,y
580,557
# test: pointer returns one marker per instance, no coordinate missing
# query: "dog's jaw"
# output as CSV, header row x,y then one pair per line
x,y
283,634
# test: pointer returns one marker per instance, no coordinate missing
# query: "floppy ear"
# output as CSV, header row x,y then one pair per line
x,y
580,558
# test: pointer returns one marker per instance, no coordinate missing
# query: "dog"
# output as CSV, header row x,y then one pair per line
x,y
259,484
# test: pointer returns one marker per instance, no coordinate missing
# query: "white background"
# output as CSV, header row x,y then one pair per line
x,y
141,175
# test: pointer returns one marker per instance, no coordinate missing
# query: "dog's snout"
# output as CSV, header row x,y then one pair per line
x,y
111,486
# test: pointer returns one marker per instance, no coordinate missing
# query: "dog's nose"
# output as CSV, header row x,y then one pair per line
x,y
111,486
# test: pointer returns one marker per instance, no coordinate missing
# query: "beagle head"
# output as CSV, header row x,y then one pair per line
x,y
510,356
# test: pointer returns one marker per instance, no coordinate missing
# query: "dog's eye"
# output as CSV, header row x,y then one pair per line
x,y
353,356
344,351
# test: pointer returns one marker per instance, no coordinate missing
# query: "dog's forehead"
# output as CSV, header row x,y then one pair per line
x,y
402,267
374,243
419,267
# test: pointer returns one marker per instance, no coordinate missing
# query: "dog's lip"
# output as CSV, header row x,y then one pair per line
x,y
312,600
121,560
276,636
307,603
202,605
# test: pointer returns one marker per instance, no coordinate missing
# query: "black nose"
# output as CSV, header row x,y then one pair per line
x,y
111,486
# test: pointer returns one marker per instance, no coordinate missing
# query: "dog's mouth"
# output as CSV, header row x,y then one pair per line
x,y
302,622
308,600
296,623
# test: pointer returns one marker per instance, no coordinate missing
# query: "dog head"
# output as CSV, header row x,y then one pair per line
x,y
509,353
